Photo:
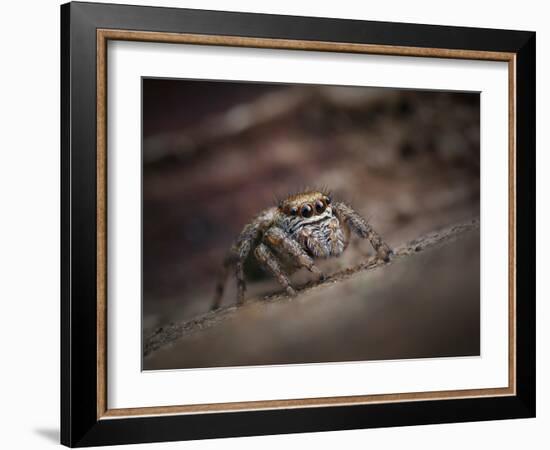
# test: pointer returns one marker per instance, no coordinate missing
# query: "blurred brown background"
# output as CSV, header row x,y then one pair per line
x,y
216,153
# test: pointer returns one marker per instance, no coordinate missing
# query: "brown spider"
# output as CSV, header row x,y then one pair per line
x,y
284,238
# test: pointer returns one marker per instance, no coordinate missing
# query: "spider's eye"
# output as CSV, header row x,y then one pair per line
x,y
327,200
319,206
293,211
307,211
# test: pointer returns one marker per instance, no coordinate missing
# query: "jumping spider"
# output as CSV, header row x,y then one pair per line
x,y
304,226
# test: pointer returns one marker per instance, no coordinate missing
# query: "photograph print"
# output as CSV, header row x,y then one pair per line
x,y
306,224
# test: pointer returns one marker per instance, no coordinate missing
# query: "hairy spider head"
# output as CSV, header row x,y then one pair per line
x,y
306,205
308,217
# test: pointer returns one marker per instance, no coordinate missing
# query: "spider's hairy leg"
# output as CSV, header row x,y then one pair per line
x,y
239,275
278,239
246,240
267,259
363,229
339,236
229,260
244,245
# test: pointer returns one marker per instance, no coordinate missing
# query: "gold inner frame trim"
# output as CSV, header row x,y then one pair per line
x,y
103,36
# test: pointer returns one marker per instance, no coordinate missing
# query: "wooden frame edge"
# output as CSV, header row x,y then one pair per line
x,y
304,403
101,191
512,238
289,44
103,35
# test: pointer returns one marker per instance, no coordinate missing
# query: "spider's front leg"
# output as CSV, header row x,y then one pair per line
x,y
363,229
238,255
268,260
278,239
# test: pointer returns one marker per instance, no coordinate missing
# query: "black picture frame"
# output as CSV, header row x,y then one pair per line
x,y
80,425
